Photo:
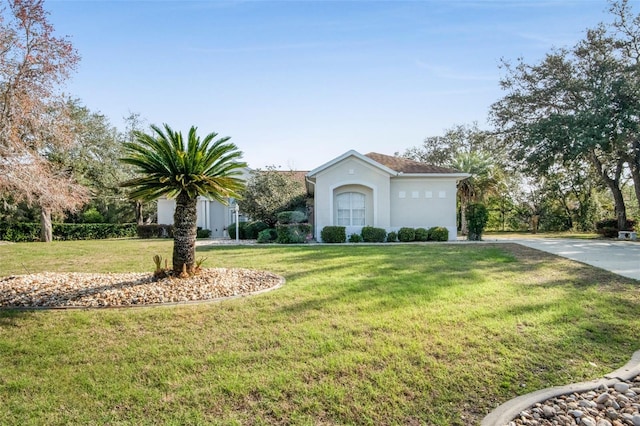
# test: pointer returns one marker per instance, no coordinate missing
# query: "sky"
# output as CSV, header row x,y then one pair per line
x,y
298,83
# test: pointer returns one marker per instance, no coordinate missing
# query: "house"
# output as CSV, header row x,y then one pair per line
x,y
211,214
355,190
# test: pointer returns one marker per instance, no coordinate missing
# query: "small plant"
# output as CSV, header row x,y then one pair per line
x,y
407,234
392,237
203,233
267,236
422,234
199,263
373,235
355,238
333,234
438,233
160,273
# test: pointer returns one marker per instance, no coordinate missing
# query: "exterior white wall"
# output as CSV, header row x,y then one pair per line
x,y
423,202
355,174
166,208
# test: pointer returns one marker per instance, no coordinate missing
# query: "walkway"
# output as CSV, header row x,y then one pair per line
x,y
619,257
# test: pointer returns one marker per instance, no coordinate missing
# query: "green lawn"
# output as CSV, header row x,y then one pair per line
x,y
435,334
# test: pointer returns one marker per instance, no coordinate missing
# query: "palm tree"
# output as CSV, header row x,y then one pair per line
x,y
169,167
474,188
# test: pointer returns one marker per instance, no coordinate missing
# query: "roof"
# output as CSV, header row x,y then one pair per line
x,y
404,165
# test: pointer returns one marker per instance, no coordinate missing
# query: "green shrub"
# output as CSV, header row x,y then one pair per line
x,y
406,234
373,235
25,232
253,229
355,238
333,234
293,216
422,234
203,233
154,231
477,217
609,227
438,233
392,237
92,215
231,229
293,233
267,236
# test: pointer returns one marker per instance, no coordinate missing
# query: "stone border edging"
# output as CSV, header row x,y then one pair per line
x,y
509,410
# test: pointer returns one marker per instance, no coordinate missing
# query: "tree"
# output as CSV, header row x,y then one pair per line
x,y
482,181
34,121
468,149
269,192
578,105
170,166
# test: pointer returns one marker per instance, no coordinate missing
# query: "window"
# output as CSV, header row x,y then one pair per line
x,y
350,209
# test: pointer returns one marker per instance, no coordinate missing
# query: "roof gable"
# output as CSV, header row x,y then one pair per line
x,y
352,153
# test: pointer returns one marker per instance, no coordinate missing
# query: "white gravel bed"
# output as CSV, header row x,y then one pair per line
x,y
618,405
73,289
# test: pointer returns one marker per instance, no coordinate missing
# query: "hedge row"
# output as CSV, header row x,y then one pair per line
x,y
369,234
26,232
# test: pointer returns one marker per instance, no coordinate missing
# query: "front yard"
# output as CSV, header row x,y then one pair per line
x,y
434,334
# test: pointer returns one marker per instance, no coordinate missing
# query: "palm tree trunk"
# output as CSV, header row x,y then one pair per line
x,y
184,234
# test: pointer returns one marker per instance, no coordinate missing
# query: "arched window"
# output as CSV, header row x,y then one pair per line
x,y
351,211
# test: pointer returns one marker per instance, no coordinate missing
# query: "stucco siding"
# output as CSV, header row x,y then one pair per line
x,y
352,174
424,202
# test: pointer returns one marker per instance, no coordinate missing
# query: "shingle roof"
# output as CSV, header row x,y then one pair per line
x,y
407,166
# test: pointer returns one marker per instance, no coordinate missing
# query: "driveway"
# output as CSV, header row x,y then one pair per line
x,y
619,257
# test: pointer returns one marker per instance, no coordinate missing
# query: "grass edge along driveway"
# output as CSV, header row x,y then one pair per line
x,y
435,334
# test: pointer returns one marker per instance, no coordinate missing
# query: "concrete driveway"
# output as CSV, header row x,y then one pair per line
x,y
619,257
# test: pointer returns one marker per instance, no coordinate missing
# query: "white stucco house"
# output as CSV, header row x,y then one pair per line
x,y
355,190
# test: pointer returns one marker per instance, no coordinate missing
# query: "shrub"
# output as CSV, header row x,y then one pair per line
x,y
267,236
609,227
477,217
253,229
25,232
333,234
373,235
155,231
438,233
406,234
293,216
292,233
231,229
203,233
355,238
392,237
422,234
92,215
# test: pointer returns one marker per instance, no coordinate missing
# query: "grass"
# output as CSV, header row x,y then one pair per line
x,y
435,334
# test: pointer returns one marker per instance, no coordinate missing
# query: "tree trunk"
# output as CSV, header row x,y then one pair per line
x,y
614,186
184,234
46,229
635,174
464,228
139,216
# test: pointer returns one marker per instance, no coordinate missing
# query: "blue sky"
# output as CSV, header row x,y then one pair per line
x,y
297,83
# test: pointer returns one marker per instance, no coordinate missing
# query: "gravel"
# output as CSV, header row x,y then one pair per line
x,y
617,405
86,290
